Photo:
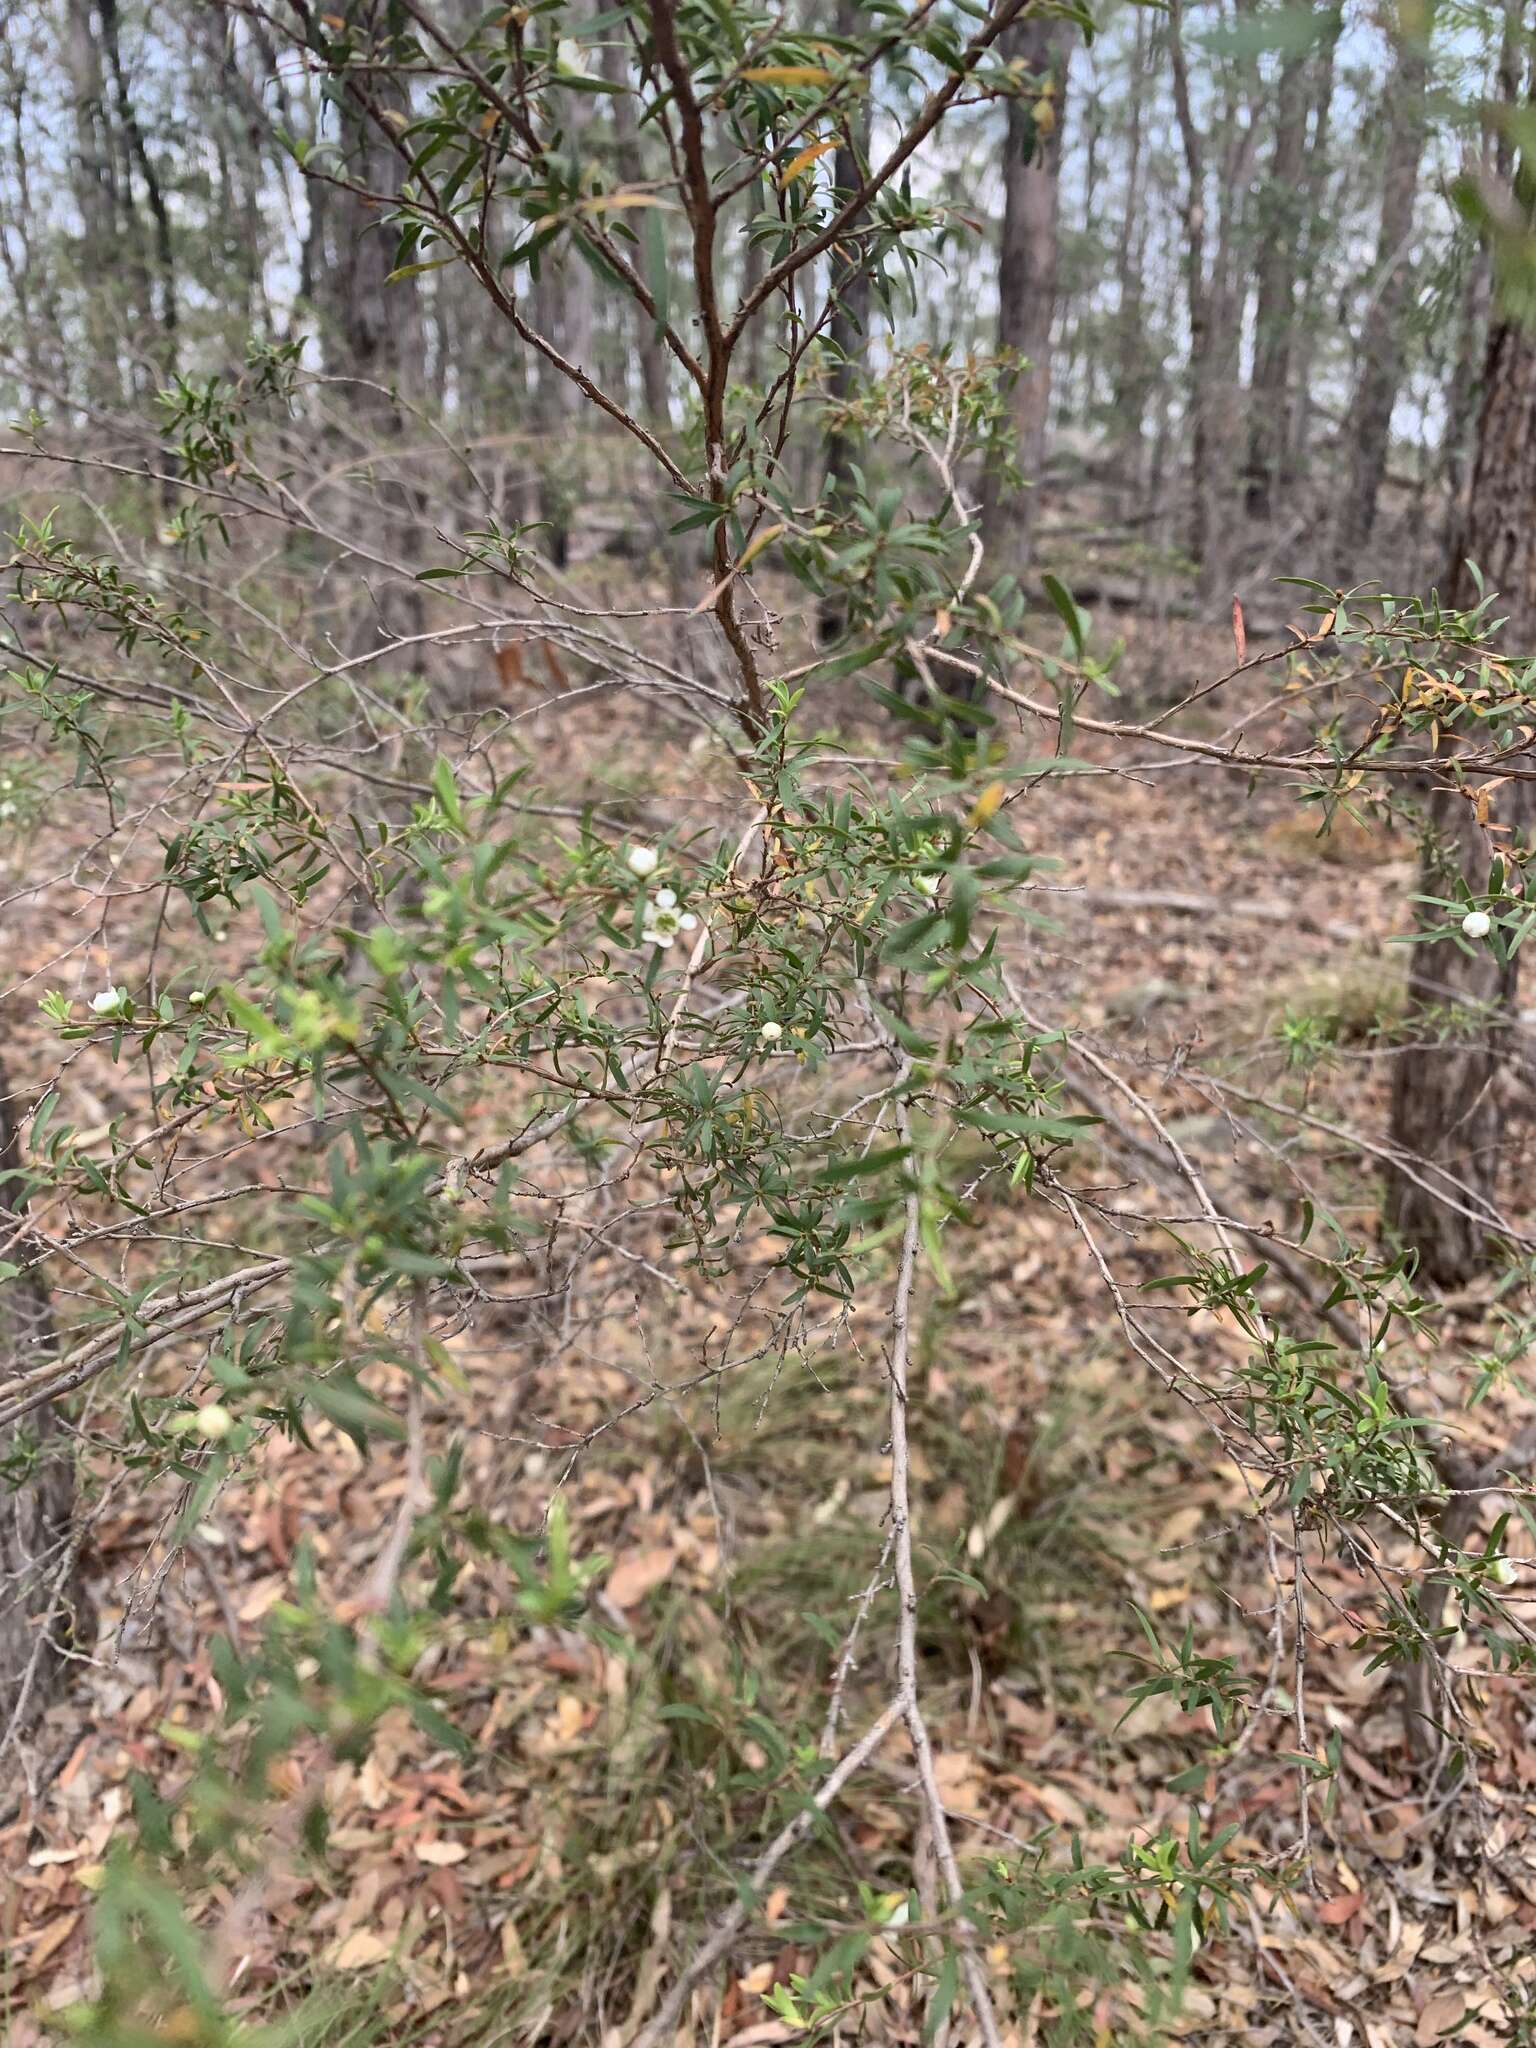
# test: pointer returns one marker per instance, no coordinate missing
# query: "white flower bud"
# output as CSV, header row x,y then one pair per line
x,y
665,899
771,1033
1477,924
198,997
213,1421
642,860
926,885
110,1002
1503,1571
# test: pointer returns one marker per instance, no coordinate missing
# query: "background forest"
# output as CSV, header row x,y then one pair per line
x,y
765,1114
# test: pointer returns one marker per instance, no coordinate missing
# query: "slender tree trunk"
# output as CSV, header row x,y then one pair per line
x,y
1205,321
1465,394
1448,1111
1131,378
1312,240
38,1578
133,136
849,326
374,334
1027,277
1280,224
93,177
1383,334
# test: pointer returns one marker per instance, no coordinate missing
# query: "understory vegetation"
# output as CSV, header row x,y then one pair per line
x,y
766,1273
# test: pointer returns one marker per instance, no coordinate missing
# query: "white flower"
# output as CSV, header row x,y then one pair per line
x,y
663,920
1477,924
570,58
926,885
213,1421
111,1002
771,1033
7,810
198,997
1503,1571
642,860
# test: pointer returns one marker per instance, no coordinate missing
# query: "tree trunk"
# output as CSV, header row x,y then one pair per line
x,y
38,1582
1026,281
133,137
849,281
1313,238
92,175
1132,373
1215,308
1383,332
1447,1106
1280,224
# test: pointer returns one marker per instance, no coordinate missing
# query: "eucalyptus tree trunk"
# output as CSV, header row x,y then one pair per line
x,y
1027,277
1280,224
93,180
1215,304
848,328
1383,333
38,1577
1449,1115
1131,371
1313,237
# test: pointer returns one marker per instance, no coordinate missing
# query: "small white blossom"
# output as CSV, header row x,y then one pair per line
x,y
213,1421
663,920
570,58
771,1033
926,885
642,860
1477,924
1503,1571
198,997
111,1002
7,809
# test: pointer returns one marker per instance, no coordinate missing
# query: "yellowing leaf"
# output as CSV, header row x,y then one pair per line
x,y
987,805
757,543
805,159
605,202
788,74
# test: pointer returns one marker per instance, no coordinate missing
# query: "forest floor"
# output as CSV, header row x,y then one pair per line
x,y
543,1889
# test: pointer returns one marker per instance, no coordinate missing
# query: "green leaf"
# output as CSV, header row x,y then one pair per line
x,y
446,790
1075,620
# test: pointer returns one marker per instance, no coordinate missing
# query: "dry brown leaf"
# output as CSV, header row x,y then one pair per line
x,y
361,1951
638,1572
1438,2017
439,1853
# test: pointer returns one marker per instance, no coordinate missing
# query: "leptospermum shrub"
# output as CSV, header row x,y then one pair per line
x,y
396,1011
